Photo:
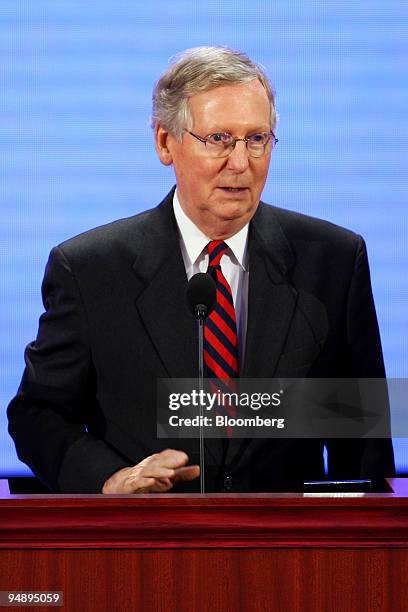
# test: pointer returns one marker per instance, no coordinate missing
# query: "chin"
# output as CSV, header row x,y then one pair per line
x,y
236,210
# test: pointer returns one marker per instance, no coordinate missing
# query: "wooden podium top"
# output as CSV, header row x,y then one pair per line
x,y
261,520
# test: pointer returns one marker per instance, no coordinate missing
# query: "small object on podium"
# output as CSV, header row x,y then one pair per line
x,y
337,486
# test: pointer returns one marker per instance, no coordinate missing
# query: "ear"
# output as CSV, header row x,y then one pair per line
x,y
161,137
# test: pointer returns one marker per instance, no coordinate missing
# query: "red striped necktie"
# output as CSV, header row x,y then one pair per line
x,y
220,331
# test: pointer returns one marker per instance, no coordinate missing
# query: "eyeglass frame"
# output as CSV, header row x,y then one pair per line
x,y
235,140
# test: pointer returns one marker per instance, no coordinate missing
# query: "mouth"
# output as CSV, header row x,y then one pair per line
x,y
234,189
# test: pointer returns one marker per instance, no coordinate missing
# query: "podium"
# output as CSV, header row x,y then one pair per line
x,y
238,552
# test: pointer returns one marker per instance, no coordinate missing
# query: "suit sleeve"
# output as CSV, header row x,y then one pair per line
x,y
369,458
48,416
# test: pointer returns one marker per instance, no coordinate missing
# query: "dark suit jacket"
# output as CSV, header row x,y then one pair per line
x,y
116,318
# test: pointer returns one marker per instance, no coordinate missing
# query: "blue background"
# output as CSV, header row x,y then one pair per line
x,y
77,151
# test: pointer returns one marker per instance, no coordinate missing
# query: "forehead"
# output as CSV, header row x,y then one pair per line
x,y
232,107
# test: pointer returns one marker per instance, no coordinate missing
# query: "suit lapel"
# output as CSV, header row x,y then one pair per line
x,y
271,305
162,303
271,302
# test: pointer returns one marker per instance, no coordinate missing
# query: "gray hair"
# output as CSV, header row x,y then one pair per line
x,y
197,70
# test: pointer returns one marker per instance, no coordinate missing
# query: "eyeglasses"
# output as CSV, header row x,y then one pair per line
x,y
221,144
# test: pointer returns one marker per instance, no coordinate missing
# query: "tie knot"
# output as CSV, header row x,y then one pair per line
x,y
216,249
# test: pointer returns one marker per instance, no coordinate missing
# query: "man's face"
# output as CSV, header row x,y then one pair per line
x,y
220,195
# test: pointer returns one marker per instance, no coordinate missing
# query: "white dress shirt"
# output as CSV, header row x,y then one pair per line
x,y
234,264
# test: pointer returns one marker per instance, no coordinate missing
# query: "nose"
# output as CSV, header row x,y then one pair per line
x,y
238,158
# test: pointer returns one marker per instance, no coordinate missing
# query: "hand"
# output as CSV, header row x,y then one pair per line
x,y
155,474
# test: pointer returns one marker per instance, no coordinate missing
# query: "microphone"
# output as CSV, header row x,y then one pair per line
x,y
201,295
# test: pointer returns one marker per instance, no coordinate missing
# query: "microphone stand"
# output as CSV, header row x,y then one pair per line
x,y
201,313
201,297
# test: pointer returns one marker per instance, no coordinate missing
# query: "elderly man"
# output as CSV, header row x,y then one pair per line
x,y
297,296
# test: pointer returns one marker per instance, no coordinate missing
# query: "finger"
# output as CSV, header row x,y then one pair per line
x,y
189,472
131,486
162,485
171,458
140,485
156,471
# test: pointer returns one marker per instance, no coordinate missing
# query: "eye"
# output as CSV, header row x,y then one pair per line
x,y
220,137
259,138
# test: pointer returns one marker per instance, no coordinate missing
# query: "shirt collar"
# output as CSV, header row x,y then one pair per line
x,y
194,241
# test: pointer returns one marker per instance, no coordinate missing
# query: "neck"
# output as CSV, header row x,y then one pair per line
x,y
221,230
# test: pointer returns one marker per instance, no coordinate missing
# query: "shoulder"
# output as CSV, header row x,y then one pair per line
x,y
121,231
313,245
123,236
300,227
